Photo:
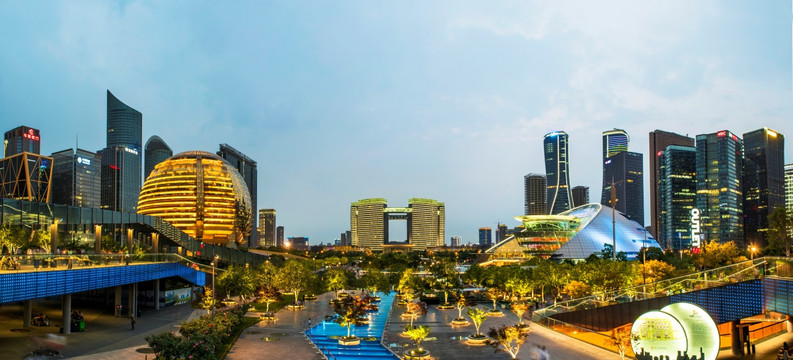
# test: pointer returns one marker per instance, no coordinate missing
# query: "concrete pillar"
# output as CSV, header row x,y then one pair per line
x,y
156,294
133,299
155,242
67,313
28,314
98,239
54,236
789,323
117,301
735,332
130,234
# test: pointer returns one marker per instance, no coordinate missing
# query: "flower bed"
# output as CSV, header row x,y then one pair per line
x,y
202,338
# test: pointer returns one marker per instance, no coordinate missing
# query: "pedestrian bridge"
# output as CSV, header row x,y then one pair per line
x,y
39,276
68,222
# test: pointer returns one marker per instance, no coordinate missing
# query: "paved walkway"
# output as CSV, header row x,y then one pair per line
x,y
447,345
283,338
105,336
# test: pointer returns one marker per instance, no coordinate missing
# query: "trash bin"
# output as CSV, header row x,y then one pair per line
x,y
82,325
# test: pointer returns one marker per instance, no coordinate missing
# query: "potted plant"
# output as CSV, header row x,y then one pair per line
x,y
477,316
417,334
519,309
461,303
494,294
507,339
350,311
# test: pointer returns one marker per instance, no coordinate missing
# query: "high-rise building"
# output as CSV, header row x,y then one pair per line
x,y
279,236
485,237
614,141
348,236
267,227
677,195
21,139
426,223
535,190
501,232
789,186
155,152
625,169
247,168
659,140
557,172
456,241
297,242
77,178
26,176
580,196
763,181
720,187
121,159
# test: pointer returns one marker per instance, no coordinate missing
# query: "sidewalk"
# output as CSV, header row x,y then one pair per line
x,y
283,338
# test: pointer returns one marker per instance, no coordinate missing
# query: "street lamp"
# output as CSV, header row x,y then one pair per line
x,y
752,250
213,263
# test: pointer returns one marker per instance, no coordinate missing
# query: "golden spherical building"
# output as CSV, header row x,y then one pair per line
x,y
199,193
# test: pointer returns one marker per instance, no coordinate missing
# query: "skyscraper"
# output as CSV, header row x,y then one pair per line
x,y
614,141
763,181
279,236
789,186
267,227
580,196
456,241
501,232
21,139
76,178
156,151
535,190
626,170
719,187
677,195
368,225
121,159
426,223
247,168
659,140
557,172
485,237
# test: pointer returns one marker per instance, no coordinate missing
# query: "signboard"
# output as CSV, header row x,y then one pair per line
x,y
700,329
695,230
679,329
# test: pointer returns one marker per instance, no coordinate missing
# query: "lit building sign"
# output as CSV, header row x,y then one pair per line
x,y
131,151
721,134
31,134
84,161
695,230
677,328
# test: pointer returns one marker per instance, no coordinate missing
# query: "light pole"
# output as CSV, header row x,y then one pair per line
x,y
752,250
213,263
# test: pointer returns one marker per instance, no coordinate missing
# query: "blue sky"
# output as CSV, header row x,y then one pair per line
x,y
340,101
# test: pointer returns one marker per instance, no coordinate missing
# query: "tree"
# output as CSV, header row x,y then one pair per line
x,y
374,280
461,304
576,289
519,309
621,339
652,271
295,276
41,238
493,294
508,339
416,309
446,278
350,312
780,226
608,251
236,281
207,300
269,295
714,255
336,279
417,334
407,282
477,315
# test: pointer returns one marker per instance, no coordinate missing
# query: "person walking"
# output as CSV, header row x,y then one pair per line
x,y
132,321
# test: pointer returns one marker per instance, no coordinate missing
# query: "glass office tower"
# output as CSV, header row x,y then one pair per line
x,y
535,190
557,172
719,187
659,141
21,139
156,151
122,158
763,181
247,168
580,196
77,178
625,169
677,194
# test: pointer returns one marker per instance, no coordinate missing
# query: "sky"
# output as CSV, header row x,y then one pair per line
x,y
346,100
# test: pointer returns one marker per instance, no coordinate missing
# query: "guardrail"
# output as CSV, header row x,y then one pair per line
x,y
57,262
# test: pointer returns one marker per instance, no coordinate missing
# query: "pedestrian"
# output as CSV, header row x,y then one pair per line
x,y
309,323
132,321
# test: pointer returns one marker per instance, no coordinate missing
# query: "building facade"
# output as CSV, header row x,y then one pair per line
x,y
789,186
677,195
279,236
580,196
247,169
156,151
122,158
77,178
625,169
535,191
26,176
720,187
267,227
297,243
426,223
456,241
559,195
659,140
615,141
763,181
485,237
21,139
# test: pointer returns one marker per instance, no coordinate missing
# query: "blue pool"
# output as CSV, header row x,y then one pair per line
x,y
320,334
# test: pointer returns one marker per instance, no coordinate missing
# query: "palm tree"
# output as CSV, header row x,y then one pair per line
x,y
477,315
507,339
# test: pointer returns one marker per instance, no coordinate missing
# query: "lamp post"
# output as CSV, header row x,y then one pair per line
x,y
752,250
213,263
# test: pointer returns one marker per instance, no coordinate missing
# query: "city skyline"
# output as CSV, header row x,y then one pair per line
x,y
444,92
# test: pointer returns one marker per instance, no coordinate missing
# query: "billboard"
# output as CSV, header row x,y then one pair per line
x,y
679,329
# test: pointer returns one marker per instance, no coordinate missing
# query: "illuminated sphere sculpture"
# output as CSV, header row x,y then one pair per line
x,y
199,193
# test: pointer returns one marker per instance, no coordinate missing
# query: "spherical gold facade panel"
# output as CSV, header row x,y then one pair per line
x,y
196,192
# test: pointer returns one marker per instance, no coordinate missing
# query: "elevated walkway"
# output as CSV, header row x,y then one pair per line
x,y
152,230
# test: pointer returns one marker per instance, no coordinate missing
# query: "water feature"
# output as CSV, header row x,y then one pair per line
x,y
321,335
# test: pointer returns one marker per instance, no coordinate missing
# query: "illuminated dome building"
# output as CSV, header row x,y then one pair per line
x,y
197,192
574,234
